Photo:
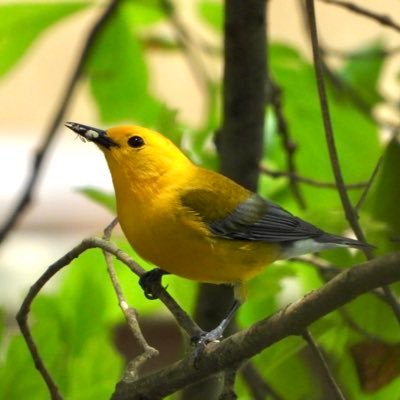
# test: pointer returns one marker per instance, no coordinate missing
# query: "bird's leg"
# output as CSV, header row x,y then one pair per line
x,y
217,332
149,279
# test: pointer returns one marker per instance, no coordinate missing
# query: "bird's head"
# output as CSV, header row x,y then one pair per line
x,y
134,152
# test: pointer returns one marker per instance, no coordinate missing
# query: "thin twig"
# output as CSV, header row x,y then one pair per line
x,y
328,271
382,19
132,370
275,98
293,320
350,213
368,186
40,154
355,326
352,55
185,41
309,181
184,321
22,316
330,138
257,385
228,390
362,105
307,336
341,85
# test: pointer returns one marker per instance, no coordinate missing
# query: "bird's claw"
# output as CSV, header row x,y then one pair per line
x,y
148,280
201,341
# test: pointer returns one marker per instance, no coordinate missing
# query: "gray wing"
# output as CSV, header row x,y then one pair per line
x,y
261,220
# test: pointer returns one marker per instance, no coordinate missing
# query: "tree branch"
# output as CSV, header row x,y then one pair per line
x,y
309,181
40,154
350,213
228,390
132,369
186,42
240,140
258,387
275,98
292,320
307,336
367,188
183,319
330,138
328,271
378,53
380,18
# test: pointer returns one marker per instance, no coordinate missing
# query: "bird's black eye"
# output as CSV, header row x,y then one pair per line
x,y
135,141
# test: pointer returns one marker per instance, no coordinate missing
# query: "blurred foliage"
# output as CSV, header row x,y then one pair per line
x,y
107,200
361,77
118,73
73,325
21,24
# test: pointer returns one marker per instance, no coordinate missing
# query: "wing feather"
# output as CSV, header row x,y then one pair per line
x,y
254,219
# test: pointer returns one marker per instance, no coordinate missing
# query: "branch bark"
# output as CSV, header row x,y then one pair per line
x,y
240,139
292,320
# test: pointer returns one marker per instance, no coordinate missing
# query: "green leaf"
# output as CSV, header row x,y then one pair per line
x,y
118,74
284,361
21,24
213,13
167,123
263,293
384,199
352,131
72,329
18,375
348,379
141,13
105,199
362,71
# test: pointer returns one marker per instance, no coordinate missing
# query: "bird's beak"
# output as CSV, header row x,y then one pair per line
x,y
94,135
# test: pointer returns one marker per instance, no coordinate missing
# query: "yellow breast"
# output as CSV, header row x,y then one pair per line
x,y
176,240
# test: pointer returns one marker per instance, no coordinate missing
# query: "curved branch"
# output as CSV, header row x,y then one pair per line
x,y
292,320
183,319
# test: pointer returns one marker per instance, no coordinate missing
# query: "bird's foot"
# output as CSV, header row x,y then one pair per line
x,y
215,335
149,280
201,341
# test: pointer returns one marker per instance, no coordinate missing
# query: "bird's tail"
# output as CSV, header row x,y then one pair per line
x,y
324,241
342,241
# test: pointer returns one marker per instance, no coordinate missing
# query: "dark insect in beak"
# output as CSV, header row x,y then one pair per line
x,y
94,135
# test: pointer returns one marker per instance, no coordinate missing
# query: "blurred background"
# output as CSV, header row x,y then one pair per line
x,y
31,90
32,84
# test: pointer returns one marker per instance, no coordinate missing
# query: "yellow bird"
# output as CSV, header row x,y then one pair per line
x,y
193,222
